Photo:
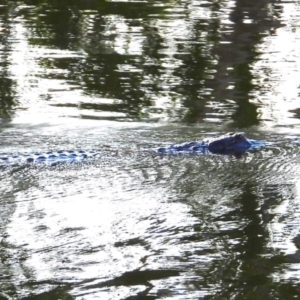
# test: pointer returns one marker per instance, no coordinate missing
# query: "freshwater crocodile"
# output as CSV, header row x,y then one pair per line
x,y
224,144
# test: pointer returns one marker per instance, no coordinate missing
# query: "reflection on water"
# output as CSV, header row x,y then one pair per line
x,y
181,226
200,62
100,75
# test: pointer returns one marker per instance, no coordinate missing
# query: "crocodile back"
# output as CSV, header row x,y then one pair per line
x,y
49,156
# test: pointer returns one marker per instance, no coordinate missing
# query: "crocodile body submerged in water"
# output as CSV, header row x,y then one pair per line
x,y
230,143
224,144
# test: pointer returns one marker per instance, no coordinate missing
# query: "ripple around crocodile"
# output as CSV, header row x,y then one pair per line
x,y
230,143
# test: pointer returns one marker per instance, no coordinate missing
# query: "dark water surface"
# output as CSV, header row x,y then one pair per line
x,y
119,76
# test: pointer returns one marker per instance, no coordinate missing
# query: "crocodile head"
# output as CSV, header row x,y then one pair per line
x,y
229,142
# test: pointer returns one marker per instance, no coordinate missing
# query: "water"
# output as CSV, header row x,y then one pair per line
x,y
120,77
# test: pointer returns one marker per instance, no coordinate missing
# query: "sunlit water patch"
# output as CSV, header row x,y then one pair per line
x,y
85,75
133,225
190,61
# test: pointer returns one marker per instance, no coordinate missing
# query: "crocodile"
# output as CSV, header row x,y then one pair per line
x,y
229,143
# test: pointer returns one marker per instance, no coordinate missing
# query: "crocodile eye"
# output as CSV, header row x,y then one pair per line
x,y
239,136
230,133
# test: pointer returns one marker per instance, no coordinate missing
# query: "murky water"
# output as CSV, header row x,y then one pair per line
x,y
121,77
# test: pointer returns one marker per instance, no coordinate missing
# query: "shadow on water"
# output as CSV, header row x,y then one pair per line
x,y
249,262
7,95
238,216
237,52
